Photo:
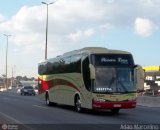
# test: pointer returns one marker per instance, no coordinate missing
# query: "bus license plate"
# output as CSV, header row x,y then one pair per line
x,y
117,105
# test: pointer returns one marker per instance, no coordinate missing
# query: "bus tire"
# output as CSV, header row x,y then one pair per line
x,y
115,110
77,104
48,103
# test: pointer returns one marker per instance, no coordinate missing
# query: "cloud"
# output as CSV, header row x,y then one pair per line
x,y
144,27
79,35
2,18
24,21
75,23
72,18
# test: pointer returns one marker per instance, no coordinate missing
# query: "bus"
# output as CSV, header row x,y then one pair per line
x,y
93,78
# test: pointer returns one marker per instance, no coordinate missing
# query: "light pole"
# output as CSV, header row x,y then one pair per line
x,y
47,4
6,58
13,75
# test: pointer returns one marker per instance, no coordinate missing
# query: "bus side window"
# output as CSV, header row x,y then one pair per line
x,y
42,69
86,73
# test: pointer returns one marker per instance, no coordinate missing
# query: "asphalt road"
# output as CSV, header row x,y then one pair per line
x,y
32,113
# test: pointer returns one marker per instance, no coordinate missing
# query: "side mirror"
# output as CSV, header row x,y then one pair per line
x,y
135,66
92,71
140,77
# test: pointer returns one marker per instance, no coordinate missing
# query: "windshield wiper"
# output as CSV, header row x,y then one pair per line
x,y
111,82
120,82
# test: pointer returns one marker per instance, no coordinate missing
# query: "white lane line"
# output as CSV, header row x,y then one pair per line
x,y
40,107
9,118
6,98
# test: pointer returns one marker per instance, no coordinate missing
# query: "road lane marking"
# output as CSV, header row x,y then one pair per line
x,y
10,118
40,107
13,120
6,98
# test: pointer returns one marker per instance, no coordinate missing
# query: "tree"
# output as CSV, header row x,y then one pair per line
x,y
19,78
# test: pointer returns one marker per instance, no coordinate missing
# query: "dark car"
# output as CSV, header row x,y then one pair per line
x,y
27,90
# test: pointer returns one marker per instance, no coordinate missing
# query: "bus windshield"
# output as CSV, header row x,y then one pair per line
x,y
114,80
114,73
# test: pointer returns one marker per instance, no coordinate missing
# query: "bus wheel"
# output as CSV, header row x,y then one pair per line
x,y
78,104
115,110
47,100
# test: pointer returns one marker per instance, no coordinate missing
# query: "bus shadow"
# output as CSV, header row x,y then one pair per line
x,y
88,111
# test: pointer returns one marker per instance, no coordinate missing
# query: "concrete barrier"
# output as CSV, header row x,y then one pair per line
x,y
148,101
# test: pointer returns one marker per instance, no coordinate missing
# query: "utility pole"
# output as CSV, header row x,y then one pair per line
x,y
47,4
6,81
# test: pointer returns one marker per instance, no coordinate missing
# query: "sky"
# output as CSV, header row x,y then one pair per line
x,y
129,25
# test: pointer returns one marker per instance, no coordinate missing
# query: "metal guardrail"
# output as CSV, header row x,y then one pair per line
x,y
148,101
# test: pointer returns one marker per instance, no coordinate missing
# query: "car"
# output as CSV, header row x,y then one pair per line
x,y
2,89
10,87
27,90
36,90
18,90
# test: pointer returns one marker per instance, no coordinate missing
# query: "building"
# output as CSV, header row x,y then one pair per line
x,y
152,79
32,83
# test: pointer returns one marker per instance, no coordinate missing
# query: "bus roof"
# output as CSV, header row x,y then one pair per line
x,y
93,50
103,50
90,50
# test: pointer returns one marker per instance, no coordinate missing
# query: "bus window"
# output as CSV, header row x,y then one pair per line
x,y
42,69
86,73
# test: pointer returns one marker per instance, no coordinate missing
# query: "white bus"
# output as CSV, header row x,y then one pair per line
x,y
92,78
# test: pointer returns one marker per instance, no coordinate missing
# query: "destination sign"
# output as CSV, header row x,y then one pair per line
x,y
113,60
119,59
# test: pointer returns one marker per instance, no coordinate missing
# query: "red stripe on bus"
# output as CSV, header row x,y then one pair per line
x,y
46,85
110,105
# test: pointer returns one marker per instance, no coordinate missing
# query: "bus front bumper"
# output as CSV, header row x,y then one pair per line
x,y
115,104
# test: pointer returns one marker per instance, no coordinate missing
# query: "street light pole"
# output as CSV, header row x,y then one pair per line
x,y
6,59
47,4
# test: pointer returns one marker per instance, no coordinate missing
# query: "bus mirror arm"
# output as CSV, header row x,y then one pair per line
x,y
92,72
135,66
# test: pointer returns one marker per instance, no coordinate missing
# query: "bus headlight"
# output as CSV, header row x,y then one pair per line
x,y
99,100
132,99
